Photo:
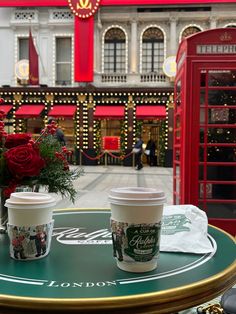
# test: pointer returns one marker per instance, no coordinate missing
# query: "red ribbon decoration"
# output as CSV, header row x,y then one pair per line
x,y
83,57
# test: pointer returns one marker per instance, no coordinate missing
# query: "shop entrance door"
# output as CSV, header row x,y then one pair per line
x,y
152,130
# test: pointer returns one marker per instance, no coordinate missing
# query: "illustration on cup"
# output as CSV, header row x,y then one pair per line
x,y
135,242
30,242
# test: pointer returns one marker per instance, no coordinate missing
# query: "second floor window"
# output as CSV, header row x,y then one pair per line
x,y
190,31
152,50
114,51
63,61
23,54
23,49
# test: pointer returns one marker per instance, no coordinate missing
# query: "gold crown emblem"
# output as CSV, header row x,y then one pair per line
x,y
225,37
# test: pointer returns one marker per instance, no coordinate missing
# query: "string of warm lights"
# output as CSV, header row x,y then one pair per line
x,y
128,100
77,124
85,125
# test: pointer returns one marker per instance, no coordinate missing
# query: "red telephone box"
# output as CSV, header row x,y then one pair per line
x,y
205,122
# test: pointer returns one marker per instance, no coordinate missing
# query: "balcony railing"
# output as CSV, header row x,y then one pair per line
x,y
131,79
114,78
153,77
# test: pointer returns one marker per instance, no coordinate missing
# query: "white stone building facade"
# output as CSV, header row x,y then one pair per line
x,y
49,24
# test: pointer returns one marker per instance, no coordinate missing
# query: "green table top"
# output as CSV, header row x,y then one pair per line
x,y
80,271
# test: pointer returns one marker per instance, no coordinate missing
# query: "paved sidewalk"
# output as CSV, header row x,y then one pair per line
x,y
93,187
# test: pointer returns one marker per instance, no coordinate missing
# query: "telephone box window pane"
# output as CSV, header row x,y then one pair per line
x,y
177,186
202,97
221,116
216,191
217,173
202,115
212,208
222,98
222,78
221,173
223,191
221,154
177,157
201,154
200,173
203,78
205,190
202,131
218,116
221,135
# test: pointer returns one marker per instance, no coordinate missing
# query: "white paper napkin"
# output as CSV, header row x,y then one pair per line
x,y
185,229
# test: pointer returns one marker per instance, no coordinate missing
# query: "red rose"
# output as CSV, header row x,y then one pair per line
x,y
24,161
14,140
10,189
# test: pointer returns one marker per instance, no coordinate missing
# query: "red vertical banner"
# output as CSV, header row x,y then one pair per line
x,y
84,46
33,62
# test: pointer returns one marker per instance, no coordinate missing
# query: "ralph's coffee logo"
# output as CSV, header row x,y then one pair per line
x,y
172,224
84,8
81,236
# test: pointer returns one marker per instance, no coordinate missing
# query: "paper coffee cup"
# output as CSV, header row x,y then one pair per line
x,y
30,224
136,215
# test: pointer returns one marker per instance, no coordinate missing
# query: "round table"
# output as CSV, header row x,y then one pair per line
x,y
80,273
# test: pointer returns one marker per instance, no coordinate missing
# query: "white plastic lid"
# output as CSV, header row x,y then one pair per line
x,y
137,196
29,198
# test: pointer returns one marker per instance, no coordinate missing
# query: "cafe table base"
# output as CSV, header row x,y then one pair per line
x,y
80,273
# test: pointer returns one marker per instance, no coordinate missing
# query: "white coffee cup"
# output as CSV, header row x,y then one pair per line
x,y
136,214
30,224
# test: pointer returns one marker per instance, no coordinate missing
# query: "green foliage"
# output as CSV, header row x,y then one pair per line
x,y
57,180
139,125
56,175
48,146
98,137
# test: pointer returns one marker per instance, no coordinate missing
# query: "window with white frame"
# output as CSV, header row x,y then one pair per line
x,y
114,51
152,50
22,54
23,48
63,60
190,31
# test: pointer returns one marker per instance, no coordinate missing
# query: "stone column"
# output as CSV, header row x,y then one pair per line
x,y
133,47
97,44
213,22
173,39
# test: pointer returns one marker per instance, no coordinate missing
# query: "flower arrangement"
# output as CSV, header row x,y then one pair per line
x,y
35,162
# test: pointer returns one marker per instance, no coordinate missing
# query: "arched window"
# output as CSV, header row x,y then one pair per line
x,y
190,31
114,51
152,50
231,26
